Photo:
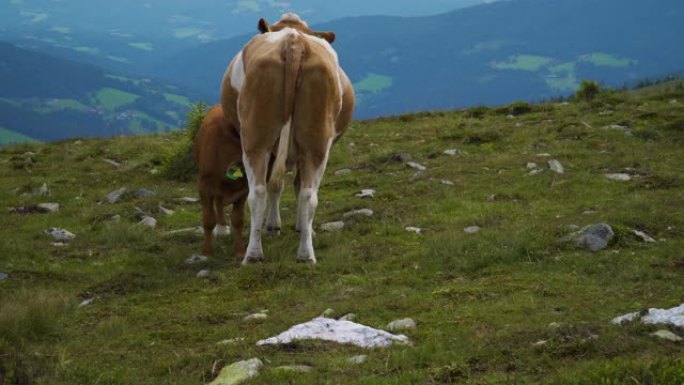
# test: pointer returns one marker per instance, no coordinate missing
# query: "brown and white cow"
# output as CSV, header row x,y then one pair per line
x,y
218,154
289,97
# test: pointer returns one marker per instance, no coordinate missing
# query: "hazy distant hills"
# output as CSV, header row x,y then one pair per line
x,y
489,54
47,98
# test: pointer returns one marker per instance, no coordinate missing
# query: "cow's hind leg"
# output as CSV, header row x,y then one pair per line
x,y
255,167
273,222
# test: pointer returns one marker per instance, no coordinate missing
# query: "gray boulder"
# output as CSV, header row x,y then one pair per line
x,y
594,237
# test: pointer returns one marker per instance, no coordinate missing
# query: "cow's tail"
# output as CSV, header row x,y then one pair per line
x,y
292,52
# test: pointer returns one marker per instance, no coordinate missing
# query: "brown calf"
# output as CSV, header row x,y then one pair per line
x,y
288,96
219,158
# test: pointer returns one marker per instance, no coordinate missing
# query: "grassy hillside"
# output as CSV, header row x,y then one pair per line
x,y
512,303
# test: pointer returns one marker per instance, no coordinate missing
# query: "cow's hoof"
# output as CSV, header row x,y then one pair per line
x,y
249,259
272,231
307,260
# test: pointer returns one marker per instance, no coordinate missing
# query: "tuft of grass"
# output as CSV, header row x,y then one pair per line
x,y
32,315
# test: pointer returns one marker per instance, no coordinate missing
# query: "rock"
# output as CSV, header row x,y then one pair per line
x,y
238,372
86,302
220,231
472,229
196,230
366,193
196,259
401,324
256,316
629,317
492,198
554,325
343,171
348,317
452,152
412,229
536,172
622,177
43,190
3,276
328,313
531,165
615,127
643,236
401,157
115,195
143,193
295,368
203,273
417,175
595,237
556,166
148,222
188,200
231,341
344,332
359,212
540,343
360,359
58,244
114,218
139,213
543,155
48,207
112,162
60,234
332,226
667,335
447,182
165,211
416,166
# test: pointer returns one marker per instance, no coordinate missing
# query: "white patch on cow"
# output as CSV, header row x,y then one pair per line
x,y
306,207
237,72
257,210
275,37
293,17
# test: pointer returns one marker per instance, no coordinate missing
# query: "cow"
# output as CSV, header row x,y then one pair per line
x,y
289,98
220,180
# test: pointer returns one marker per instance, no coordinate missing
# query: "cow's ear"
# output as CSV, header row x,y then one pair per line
x,y
263,26
328,36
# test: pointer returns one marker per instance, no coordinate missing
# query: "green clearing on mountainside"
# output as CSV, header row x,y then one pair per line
x,y
509,304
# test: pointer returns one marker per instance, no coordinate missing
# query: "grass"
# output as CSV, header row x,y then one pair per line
x,y
112,98
482,301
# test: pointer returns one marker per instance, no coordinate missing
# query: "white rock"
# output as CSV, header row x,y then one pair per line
x,y
188,200
673,316
165,211
472,229
615,127
359,212
231,341
115,195
348,317
531,165
114,218
447,182
344,332
416,166
401,324
49,207
622,177
644,237
196,259
343,171
295,368
556,166
360,359
238,372
366,193
203,273
540,343
60,234
536,172
332,226
148,222
220,231
255,317
112,162
196,230
543,155
629,317
86,302
452,152
58,244
667,335
412,229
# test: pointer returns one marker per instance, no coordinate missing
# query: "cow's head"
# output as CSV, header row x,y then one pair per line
x,y
291,20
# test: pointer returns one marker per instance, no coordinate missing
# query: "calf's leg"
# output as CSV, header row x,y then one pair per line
x,y
208,221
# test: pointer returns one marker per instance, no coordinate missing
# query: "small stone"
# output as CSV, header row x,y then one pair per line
x,y
295,368
196,259
492,198
622,177
238,372
328,313
540,343
351,317
3,276
58,244
357,360
629,317
554,325
412,229
188,200
220,231
667,335
531,165
472,229
86,302
43,190
452,152
402,324
615,127
143,193
359,212
556,166
48,207
543,155
112,162
196,230
114,218
589,212
643,236
536,172
595,237
60,234
366,193
332,226
447,182
343,171
148,222
416,166
165,211
115,195
255,317
78,142
231,341
203,273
